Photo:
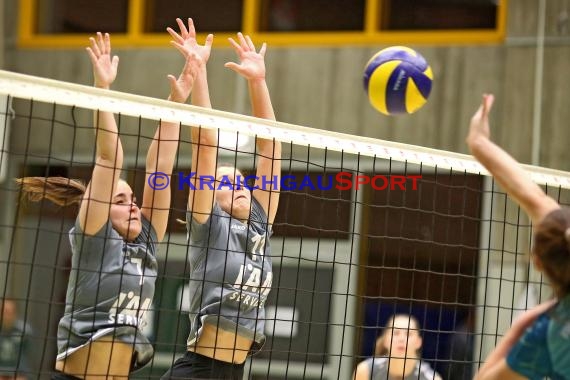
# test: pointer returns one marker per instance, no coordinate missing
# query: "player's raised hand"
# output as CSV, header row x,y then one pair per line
x,y
479,125
252,63
185,41
181,87
104,66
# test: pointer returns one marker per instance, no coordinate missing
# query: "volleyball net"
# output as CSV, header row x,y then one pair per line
x,y
365,229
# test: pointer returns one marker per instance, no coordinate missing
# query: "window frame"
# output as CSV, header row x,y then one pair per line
x,y
370,35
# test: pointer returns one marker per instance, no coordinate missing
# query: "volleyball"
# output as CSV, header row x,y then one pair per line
x,y
398,80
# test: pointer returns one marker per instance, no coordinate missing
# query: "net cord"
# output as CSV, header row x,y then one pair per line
x,y
48,90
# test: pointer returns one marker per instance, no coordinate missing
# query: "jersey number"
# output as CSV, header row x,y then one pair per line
x,y
258,248
138,264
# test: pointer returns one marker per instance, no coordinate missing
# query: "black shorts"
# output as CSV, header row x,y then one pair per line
x,y
196,366
58,375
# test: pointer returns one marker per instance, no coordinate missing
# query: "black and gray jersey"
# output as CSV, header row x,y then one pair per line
x,y
230,273
110,288
15,349
379,370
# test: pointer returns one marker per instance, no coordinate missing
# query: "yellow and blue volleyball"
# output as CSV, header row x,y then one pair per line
x,y
398,80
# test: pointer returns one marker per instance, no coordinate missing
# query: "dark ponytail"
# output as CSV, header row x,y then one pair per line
x,y
552,247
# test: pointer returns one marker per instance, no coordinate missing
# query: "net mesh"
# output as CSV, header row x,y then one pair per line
x,y
365,229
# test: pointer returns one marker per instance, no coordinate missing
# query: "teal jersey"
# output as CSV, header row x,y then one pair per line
x,y
544,349
110,289
230,273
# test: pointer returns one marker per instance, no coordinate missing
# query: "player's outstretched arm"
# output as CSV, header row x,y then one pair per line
x,y
504,168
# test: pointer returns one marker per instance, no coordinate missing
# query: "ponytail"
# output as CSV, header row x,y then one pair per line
x,y
552,246
59,190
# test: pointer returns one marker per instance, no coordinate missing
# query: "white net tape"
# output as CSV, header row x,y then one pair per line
x,y
47,90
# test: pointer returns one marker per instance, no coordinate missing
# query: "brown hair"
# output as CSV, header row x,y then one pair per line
x,y
552,248
59,190
413,324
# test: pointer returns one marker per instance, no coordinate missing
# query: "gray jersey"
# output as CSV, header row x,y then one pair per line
x,y
15,349
379,371
230,273
110,288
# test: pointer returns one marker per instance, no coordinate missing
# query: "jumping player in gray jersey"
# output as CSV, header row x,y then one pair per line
x,y
228,229
114,265
537,345
397,354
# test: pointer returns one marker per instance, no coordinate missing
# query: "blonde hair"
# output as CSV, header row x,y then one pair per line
x,y
61,191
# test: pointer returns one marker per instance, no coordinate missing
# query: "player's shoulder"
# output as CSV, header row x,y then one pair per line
x,y
22,327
